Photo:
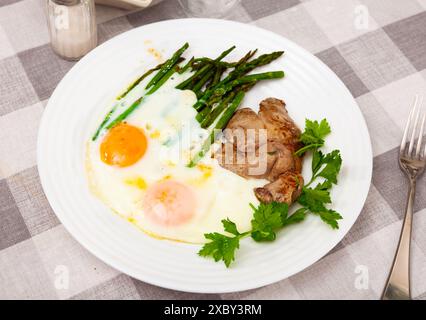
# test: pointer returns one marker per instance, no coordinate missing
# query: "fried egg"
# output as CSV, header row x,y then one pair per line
x,y
139,169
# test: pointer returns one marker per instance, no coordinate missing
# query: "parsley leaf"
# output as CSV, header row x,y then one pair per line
x,y
314,135
298,216
314,199
333,163
315,132
267,218
330,217
326,166
317,161
222,247
230,227
325,185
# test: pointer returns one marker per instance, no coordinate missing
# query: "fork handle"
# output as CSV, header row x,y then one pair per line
x,y
398,283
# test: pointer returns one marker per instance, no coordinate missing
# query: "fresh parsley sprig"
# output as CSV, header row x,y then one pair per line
x,y
222,247
268,218
271,217
325,167
313,136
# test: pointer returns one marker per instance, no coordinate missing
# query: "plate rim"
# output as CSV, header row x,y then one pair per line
x,y
168,284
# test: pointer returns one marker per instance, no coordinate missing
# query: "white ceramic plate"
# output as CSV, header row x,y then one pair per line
x,y
310,90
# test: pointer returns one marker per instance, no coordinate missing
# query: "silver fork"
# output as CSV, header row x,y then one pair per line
x,y
412,160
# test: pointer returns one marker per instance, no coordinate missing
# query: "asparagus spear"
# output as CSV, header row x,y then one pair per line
x,y
104,122
225,64
135,104
146,74
202,114
224,54
167,66
205,68
246,58
125,114
207,119
210,116
203,81
121,96
162,80
139,80
163,69
238,72
227,115
220,124
204,60
197,65
220,91
186,66
217,75
187,84
250,65
165,72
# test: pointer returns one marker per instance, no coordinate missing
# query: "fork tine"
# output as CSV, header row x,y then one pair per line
x,y
413,133
407,126
424,153
421,133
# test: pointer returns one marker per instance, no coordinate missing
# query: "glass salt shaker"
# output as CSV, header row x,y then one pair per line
x,y
208,8
72,27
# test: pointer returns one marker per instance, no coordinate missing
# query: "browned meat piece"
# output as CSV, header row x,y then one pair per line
x,y
246,154
243,120
280,126
238,162
284,160
227,158
286,188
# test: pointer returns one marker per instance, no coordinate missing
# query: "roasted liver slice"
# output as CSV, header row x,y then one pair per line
x,y
282,167
278,123
286,188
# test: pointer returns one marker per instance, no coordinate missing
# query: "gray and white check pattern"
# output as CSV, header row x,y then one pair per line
x,y
383,64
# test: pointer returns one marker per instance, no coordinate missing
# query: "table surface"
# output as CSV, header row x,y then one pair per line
x,y
378,49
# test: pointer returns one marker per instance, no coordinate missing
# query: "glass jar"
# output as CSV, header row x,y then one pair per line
x,y
72,27
208,8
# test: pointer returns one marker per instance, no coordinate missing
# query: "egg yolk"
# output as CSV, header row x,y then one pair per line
x,y
123,145
169,203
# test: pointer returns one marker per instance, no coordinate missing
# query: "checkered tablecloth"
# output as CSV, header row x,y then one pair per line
x,y
378,49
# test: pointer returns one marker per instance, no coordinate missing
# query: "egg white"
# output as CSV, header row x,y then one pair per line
x,y
168,121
